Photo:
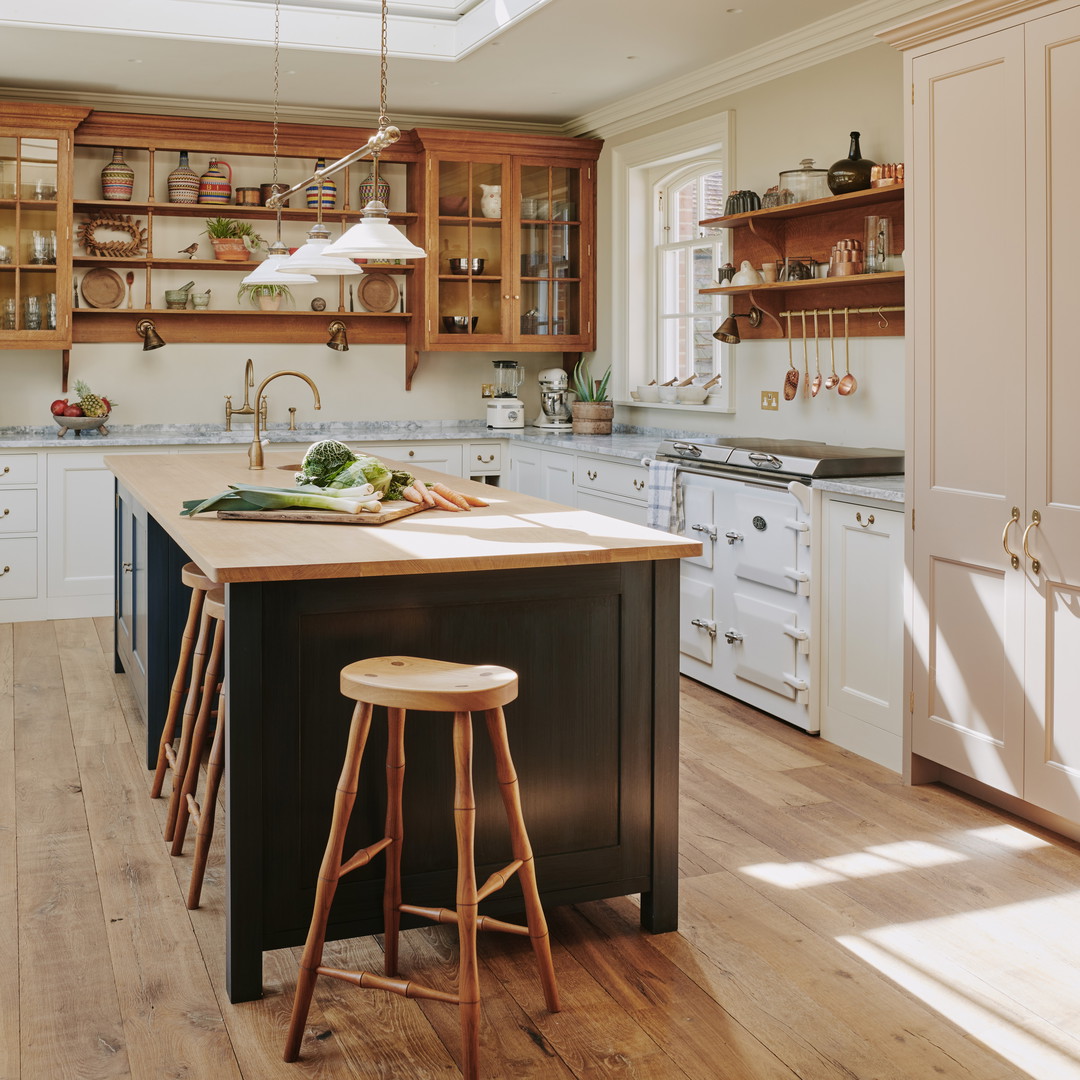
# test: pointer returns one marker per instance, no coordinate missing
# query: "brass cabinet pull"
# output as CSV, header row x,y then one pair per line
x,y
485,460
1036,520
1013,559
6,570
590,474
127,567
865,524
7,510
412,453
7,469
639,485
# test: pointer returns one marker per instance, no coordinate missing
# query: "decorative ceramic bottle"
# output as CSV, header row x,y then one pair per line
x,y
183,182
369,190
215,186
117,178
324,191
851,173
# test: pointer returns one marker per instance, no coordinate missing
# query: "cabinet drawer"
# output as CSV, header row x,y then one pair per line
x,y
18,511
614,477
18,469
18,568
444,457
484,458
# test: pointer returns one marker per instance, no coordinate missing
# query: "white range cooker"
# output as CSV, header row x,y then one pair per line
x,y
745,609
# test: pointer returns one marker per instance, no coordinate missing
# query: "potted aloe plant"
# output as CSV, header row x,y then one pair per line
x,y
267,296
233,241
592,412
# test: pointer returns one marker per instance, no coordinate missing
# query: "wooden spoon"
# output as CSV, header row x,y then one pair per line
x,y
815,386
833,379
130,279
847,384
791,379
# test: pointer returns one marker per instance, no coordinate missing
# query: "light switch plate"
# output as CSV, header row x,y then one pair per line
x,y
770,399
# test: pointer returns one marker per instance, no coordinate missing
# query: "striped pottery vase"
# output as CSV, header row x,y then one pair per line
x,y
183,182
324,191
117,178
215,186
368,190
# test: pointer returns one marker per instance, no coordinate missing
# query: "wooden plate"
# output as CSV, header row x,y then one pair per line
x,y
377,292
102,287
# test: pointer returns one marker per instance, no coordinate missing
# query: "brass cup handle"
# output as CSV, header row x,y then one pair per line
x,y
1013,559
6,570
867,523
1036,520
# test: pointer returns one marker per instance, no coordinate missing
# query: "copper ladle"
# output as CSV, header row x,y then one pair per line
x,y
815,386
791,378
833,379
847,385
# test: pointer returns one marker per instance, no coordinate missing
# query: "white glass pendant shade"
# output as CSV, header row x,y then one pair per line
x,y
373,237
310,258
266,273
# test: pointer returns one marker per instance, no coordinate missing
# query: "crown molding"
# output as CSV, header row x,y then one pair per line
x,y
854,29
333,117
954,19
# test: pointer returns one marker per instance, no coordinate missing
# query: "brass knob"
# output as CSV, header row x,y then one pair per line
x,y
6,511
7,469
412,453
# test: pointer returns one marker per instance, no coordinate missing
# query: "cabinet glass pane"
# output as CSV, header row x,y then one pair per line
x,y
550,307
465,300
550,193
8,154
462,186
550,251
37,175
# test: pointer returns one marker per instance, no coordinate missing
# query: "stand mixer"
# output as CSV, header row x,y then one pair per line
x,y
554,400
505,409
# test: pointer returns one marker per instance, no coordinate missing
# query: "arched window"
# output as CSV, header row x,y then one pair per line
x,y
687,257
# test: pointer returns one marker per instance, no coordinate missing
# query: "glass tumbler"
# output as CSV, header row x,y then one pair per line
x,y
32,313
877,246
8,316
50,311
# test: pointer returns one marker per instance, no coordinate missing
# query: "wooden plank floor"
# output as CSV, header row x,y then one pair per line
x,y
835,925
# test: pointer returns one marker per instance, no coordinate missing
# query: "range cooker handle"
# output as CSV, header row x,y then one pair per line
x,y
732,636
764,461
801,579
801,688
705,624
709,529
801,636
732,536
688,449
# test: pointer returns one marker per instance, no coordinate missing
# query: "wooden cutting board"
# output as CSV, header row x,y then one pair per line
x,y
392,511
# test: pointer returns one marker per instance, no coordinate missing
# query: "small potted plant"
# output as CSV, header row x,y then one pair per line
x,y
266,296
233,241
592,411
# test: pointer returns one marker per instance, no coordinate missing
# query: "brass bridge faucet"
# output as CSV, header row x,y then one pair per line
x,y
245,409
255,450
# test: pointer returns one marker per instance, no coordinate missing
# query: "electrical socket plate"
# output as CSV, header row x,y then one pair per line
x,y
770,399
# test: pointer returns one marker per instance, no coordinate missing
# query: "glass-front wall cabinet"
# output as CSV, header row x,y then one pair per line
x,y
34,251
512,242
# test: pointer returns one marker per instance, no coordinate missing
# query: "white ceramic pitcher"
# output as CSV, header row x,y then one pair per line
x,y
491,200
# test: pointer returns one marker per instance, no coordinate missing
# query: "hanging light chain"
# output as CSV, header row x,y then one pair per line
x,y
384,120
277,97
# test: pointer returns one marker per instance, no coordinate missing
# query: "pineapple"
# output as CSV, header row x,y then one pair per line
x,y
89,402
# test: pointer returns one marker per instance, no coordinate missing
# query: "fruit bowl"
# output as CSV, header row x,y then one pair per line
x,y
79,424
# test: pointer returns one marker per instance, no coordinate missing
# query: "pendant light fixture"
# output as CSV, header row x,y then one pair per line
x,y
266,273
312,257
373,237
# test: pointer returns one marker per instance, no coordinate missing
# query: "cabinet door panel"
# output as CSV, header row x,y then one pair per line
x,y
81,516
967,464
1052,758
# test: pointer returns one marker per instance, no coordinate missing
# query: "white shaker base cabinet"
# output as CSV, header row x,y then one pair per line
x,y
994,558
861,640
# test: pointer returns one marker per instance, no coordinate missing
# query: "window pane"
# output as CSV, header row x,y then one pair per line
x,y
673,282
684,205
704,276
706,347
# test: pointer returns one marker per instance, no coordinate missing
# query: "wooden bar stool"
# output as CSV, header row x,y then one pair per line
x,y
185,691
203,816
401,683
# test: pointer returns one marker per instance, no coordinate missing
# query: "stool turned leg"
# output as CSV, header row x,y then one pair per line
x,y
395,781
187,781
209,807
467,903
329,873
191,707
179,685
522,849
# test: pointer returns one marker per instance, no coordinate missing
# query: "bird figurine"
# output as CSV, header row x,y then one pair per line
x,y
189,250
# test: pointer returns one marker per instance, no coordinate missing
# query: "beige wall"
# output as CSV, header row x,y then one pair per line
x,y
775,126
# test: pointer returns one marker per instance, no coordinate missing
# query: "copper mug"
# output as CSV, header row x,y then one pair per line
x,y
249,196
266,190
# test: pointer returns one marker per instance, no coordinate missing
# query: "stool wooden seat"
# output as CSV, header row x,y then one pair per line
x,y
401,683
203,816
186,686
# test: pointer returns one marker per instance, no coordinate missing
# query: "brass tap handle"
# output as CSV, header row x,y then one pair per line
x,y
1014,560
228,412
1036,520
292,418
262,410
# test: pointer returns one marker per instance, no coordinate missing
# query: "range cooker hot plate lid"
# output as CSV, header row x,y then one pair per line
x,y
795,457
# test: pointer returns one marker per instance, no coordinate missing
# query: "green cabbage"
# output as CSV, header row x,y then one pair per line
x,y
324,461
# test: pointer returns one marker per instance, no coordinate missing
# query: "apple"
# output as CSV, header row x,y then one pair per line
x,y
58,406
72,410
105,402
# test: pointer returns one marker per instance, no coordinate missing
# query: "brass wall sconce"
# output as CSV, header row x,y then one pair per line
x,y
146,329
728,330
339,339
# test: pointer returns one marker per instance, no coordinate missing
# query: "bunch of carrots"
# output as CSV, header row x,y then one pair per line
x,y
440,496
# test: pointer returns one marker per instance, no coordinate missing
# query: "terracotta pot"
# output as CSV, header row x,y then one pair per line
x,y
592,417
232,249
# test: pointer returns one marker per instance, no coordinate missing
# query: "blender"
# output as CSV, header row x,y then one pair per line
x,y
505,409
554,400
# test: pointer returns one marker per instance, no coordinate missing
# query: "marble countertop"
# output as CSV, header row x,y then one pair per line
x,y
885,488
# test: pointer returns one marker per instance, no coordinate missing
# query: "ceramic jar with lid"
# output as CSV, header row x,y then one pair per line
x,y
805,183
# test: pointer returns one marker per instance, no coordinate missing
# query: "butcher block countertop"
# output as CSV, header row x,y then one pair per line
x,y
514,531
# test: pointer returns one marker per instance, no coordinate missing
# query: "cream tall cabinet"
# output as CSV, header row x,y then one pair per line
x,y
994,556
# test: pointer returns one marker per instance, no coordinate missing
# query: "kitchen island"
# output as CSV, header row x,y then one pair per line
x,y
584,607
